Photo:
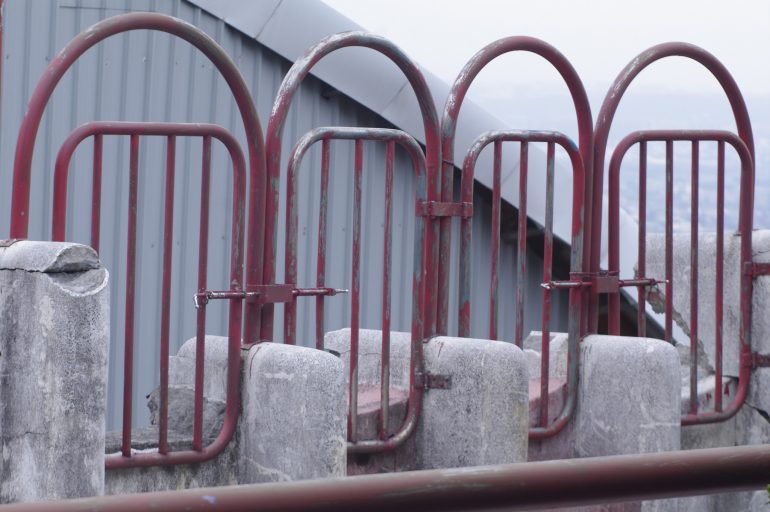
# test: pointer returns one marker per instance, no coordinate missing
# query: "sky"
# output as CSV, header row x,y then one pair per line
x,y
599,37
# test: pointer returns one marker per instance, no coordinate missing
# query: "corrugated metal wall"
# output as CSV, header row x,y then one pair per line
x,y
151,76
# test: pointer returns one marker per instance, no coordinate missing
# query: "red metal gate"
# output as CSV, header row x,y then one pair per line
x,y
423,242
744,147
580,159
259,324
20,217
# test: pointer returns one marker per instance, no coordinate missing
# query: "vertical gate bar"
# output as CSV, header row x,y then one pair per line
x,y
354,292
669,239
694,281
719,298
128,358
290,257
200,335
495,241
321,254
641,264
547,268
165,316
96,193
390,155
466,235
613,242
522,252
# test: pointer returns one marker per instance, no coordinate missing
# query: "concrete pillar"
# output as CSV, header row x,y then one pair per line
x,y
628,402
292,425
54,339
481,418
294,415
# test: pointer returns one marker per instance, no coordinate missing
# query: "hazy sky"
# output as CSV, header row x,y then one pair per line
x,y
598,36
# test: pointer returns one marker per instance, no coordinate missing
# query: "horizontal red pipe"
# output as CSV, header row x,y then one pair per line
x,y
525,486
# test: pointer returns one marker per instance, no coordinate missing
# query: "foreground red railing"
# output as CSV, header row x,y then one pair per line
x,y
510,487
423,242
21,197
545,426
746,179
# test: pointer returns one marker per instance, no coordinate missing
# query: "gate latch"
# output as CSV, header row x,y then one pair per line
x,y
264,294
602,281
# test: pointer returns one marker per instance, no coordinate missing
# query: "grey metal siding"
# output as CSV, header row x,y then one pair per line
x,y
151,76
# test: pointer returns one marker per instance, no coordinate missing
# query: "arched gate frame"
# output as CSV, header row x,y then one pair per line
x,y
743,144
259,317
20,217
580,158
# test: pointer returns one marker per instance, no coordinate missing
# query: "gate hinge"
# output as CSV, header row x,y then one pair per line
x,y
434,381
264,294
754,269
439,209
758,360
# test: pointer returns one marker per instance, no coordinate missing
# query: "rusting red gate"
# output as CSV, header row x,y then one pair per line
x,y
580,161
743,145
20,218
427,209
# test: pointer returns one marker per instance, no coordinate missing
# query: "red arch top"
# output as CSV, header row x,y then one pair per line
x,y
78,46
449,126
274,134
610,106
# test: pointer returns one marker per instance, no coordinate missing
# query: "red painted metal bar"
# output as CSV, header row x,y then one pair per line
x,y
607,114
449,121
494,251
200,331
128,357
322,232
96,194
165,312
719,278
641,261
547,271
511,487
274,135
423,249
696,137
669,263
355,299
390,157
99,32
576,292
169,130
694,280
521,253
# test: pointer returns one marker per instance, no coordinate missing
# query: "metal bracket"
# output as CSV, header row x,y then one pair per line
x,y
435,209
759,360
754,269
434,381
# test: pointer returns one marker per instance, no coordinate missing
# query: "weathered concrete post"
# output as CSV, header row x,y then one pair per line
x,y
477,416
628,402
54,339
